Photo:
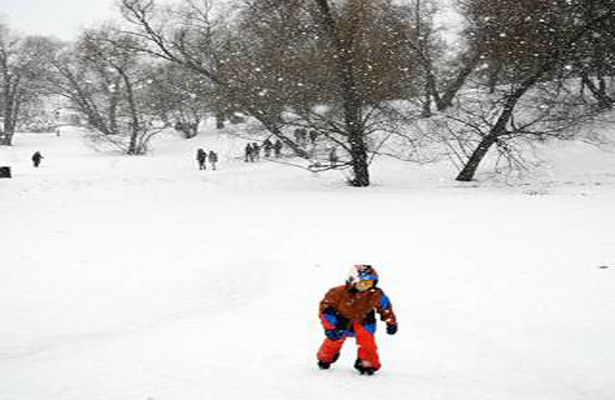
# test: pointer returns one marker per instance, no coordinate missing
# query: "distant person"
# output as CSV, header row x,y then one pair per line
x,y
267,147
333,158
277,148
256,152
304,136
36,159
313,136
213,159
248,153
297,135
201,158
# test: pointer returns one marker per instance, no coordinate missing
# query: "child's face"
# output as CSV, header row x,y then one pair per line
x,y
363,285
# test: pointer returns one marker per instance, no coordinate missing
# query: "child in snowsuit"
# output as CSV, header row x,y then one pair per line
x,y
349,310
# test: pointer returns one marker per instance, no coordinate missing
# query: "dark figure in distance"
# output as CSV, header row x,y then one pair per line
x,y
267,147
256,152
213,159
248,153
277,148
333,158
36,159
313,136
201,157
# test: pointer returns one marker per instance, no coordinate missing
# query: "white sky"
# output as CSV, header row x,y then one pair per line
x,y
64,18
61,18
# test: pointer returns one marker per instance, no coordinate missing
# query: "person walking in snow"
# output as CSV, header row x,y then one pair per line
x,y
36,159
297,135
256,152
248,153
213,159
333,158
201,157
313,136
277,148
349,311
267,147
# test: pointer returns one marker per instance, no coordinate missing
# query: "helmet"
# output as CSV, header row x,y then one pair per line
x,y
362,272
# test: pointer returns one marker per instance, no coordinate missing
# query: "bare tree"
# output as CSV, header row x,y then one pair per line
x,y
530,63
89,88
20,73
595,61
106,80
180,97
188,38
280,60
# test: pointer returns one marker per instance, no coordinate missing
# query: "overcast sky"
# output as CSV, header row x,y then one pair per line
x,y
61,18
64,18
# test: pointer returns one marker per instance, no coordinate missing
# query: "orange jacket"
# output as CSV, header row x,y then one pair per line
x,y
343,306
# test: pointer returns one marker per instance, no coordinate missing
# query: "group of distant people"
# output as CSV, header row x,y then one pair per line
x,y
202,157
252,151
302,135
252,154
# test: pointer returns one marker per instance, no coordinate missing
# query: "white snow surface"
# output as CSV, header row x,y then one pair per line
x,y
143,278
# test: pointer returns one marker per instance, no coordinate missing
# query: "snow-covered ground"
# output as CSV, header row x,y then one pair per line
x,y
136,278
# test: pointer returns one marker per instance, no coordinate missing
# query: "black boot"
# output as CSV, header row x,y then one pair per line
x,y
358,365
327,364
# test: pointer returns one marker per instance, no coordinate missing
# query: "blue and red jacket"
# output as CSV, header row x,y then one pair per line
x,y
344,306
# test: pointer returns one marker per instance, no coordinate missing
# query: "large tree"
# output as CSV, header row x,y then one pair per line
x,y
276,61
533,44
21,71
106,80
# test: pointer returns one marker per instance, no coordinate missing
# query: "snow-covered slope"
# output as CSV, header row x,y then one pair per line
x,y
144,278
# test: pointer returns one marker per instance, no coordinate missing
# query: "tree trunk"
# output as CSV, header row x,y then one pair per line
x,y
9,127
134,124
112,112
194,128
7,116
358,147
453,88
7,139
219,120
352,104
469,170
599,92
360,165
426,109
494,77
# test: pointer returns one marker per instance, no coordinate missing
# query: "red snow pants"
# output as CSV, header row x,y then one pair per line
x,y
367,352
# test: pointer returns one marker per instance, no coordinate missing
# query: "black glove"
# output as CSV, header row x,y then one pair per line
x,y
334,334
392,329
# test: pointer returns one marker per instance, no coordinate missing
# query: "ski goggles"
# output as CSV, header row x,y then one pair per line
x,y
364,285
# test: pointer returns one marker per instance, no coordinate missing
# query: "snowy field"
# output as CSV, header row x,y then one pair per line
x,y
142,278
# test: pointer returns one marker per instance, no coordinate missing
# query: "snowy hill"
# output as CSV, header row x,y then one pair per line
x,y
144,278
